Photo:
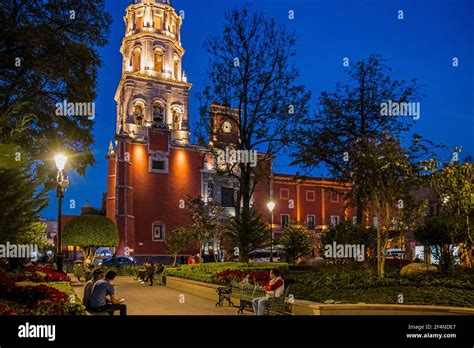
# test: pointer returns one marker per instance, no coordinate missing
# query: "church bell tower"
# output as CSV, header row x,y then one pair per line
x,y
153,91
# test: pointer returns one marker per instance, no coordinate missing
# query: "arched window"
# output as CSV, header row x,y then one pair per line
x,y
158,62
136,60
159,115
157,22
138,114
139,22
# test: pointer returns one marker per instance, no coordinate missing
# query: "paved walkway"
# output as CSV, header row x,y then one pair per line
x,y
142,299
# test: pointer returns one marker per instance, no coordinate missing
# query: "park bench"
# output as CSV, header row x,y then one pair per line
x,y
159,275
224,293
246,292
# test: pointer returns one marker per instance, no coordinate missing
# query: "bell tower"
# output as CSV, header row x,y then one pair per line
x,y
153,91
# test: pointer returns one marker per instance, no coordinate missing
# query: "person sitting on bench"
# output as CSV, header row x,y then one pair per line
x,y
103,289
275,288
97,275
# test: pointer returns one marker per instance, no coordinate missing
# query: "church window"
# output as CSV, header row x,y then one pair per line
x,y
158,165
158,115
158,231
139,23
138,115
136,60
158,61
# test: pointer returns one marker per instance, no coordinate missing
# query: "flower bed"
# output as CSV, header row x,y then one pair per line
x,y
29,297
39,274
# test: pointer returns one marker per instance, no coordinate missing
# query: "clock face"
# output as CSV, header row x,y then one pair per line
x,y
226,127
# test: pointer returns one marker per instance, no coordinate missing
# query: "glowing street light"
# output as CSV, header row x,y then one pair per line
x,y
61,184
271,206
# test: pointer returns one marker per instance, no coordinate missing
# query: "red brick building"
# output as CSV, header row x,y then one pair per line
x,y
153,168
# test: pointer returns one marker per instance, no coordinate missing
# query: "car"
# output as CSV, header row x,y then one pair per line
x,y
118,261
263,255
394,254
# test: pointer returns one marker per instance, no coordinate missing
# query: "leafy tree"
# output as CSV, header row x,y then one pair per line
x,y
90,232
248,232
250,73
205,225
348,233
437,232
20,205
453,185
296,242
178,240
348,123
48,54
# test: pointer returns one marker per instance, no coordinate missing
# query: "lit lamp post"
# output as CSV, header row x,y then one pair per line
x,y
61,184
271,206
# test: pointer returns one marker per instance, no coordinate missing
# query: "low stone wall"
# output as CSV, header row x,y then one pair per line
x,y
303,307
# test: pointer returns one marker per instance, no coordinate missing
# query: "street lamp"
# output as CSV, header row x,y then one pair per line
x,y
61,184
271,206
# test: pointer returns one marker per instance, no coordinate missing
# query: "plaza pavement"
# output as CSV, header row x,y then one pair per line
x,y
142,299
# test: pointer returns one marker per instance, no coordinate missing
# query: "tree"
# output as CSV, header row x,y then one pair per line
x,y
438,234
205,225
251,75
453,185
348,122
348,233
47,55
90,232
362,145
248,232
296,242
20,206
178,240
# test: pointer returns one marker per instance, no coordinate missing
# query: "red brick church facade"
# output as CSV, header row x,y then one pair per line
x,y
153,168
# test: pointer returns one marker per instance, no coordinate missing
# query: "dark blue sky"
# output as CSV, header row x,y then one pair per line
x,y
421,45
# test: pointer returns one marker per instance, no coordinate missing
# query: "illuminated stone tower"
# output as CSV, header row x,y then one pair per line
x,y
153,91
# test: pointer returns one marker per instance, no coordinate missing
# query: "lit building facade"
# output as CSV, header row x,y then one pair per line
x,y
153,168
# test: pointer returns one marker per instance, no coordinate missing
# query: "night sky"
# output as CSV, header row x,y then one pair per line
x,y
422,45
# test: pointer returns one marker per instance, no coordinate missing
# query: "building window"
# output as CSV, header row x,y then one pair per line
x,y
210,190
158,115
310,196
157,22
284,193
158,162
158,165
354,220
158,231
285,220
139,23
138,116
334,197
158,61
136,60
227,197
310,222
334,220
